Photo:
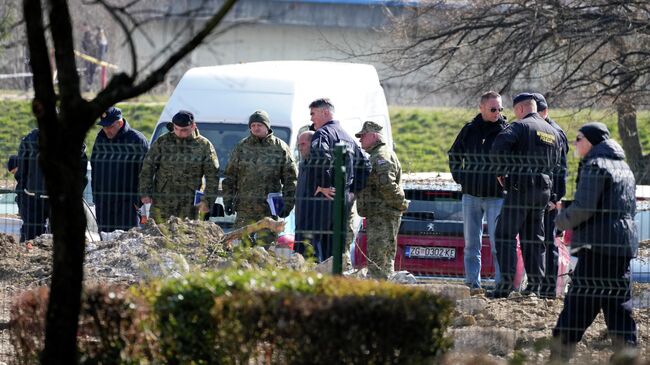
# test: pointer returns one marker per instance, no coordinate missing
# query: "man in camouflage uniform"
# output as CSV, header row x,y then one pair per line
x,y
174,168
381,201
260,164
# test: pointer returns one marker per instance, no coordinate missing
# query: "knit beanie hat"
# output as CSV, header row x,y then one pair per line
x,y
595,132
260,116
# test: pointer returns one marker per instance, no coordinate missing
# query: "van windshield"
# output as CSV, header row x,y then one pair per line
x,y
224,137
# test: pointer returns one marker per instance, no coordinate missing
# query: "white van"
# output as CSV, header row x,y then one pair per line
x,y
223,97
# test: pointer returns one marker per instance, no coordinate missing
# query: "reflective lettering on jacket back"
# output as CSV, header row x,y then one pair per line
x,y
546,138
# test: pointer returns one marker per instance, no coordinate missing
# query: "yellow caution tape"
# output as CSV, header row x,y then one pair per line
x,y
95,60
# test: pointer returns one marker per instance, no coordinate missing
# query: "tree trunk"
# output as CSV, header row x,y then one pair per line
x,y
62,168
63,119
629,135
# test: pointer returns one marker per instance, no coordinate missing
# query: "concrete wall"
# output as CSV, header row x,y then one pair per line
x,y
278,30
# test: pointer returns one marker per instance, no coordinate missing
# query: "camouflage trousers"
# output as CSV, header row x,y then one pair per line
x,y
264,237
381,234
162,210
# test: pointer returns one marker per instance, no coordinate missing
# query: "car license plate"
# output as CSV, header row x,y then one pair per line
x,y
431,252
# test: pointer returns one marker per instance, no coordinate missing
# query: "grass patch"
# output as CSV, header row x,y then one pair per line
x,y
422,136
17,120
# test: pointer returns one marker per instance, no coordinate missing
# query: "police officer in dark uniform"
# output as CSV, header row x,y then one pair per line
x,y
524,155
557,193
31,195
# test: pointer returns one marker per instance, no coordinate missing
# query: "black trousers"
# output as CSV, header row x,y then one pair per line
x,y
598,283
34,211
115,214
523,214
551,254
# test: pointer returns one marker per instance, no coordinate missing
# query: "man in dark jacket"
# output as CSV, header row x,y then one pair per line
x,y
525,155
605,238
303,191
548,287
329,132
482,194
116,161
31,195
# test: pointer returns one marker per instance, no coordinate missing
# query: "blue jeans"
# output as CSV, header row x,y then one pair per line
x,y
474,209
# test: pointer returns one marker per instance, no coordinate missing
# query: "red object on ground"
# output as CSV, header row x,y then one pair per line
x,y
568,237
286,241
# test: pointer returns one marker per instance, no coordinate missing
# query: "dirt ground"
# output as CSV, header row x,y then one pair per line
x,y
485,331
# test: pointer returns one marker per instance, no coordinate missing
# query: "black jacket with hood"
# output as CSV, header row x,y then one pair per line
x,y
602,212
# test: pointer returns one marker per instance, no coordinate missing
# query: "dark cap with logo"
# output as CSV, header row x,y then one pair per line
x,y
541,102
369,127
110,116
522,97
183,118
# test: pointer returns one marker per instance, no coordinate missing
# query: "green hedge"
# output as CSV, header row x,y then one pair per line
x,y
233,317
293,328
239,317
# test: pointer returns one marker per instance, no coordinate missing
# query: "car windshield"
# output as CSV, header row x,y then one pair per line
x,y
224,137
445,205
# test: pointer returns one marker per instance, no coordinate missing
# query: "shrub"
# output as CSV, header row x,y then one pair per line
x,y
27,325
182,308
107,334
235,317
294,318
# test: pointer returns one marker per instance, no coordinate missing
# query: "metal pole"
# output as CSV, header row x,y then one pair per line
x,y
339,209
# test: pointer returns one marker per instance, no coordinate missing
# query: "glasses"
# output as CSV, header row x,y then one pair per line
x,y
494,110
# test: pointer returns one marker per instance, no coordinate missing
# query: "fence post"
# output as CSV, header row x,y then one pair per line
x,y
339,233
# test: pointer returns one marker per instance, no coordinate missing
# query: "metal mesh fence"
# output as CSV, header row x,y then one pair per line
x,y
605,218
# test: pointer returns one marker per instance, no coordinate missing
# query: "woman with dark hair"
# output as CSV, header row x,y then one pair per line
x,y
604,240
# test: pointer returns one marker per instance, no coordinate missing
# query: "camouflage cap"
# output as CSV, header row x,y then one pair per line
x,y
260,116
369,127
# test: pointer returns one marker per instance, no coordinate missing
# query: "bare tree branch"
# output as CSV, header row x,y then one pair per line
x,y
584,53
121,87
126,30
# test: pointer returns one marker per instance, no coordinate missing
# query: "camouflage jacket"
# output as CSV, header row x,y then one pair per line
x,y
174,168
383,193
258,167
